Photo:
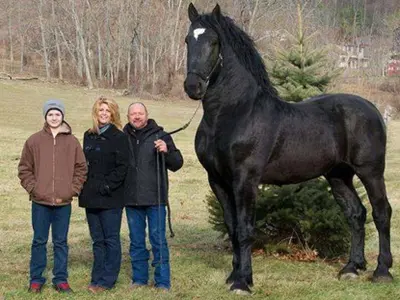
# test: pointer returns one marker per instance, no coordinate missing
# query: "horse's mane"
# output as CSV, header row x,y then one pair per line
x,y
243,47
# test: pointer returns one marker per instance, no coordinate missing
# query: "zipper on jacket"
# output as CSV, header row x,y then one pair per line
x,y
54,168
137,172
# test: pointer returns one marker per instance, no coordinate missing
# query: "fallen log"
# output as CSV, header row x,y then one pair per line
x,y
9,77
25,78
5,76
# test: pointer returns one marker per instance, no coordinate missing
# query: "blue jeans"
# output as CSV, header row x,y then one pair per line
x,y
42,217
104,227
138,252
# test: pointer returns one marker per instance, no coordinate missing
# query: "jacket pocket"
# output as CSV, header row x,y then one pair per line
x,y
91,188
63,190
41,193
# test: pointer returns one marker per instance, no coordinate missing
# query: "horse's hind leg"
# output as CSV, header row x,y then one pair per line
x,y
381,212
341,182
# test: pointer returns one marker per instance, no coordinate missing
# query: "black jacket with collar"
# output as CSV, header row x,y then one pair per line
x,y
141,188
107,157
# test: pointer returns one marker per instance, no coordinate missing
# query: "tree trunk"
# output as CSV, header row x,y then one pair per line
x,y
79,64
10,36
99,55
82,47
21,39
58,48
154,77
253,15
174,43
109,67
44,45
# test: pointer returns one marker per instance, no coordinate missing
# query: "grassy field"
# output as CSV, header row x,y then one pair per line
x,y
199,259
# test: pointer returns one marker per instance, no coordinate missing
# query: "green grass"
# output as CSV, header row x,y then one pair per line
x,y
199,258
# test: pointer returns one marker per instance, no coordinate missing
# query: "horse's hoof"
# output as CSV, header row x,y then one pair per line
x,y
241,292
387,278
240,288
348,276
349,272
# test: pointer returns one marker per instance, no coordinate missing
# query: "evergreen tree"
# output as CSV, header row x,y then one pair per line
x,y
300,72
305,214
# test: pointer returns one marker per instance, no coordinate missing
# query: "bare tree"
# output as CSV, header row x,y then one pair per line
x,y
123,42
81,41
57,40
44,43
10,35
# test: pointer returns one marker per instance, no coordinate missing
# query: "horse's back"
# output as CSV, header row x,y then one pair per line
x,y
349,105
362,124
319,133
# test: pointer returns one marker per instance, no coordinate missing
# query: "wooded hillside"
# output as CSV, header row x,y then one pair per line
x,y
139,45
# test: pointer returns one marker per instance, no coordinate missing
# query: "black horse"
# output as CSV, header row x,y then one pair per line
x,y
249,136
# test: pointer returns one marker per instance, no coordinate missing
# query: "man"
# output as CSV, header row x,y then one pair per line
x,y
146,194
52,169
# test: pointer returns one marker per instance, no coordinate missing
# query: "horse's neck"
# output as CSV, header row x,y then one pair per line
x,y
234,92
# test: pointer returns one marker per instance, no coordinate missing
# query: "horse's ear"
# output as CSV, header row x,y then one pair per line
x,y
217,11
192,12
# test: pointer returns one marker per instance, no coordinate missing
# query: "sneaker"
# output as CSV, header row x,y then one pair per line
x,y
63,287
96,289
92,288
100,289
35,287
162,288
135,285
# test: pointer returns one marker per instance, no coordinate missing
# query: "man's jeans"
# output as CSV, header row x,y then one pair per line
x,y
104,227
139,254
42,217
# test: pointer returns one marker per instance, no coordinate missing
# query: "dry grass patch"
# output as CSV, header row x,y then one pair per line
x,y
200,260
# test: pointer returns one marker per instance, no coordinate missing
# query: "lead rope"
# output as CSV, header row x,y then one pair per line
x,y
164,171
184,126
172,234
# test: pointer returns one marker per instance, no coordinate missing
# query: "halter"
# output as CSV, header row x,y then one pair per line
x,y
207,78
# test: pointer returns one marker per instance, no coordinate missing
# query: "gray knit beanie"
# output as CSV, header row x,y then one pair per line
x,y
53,104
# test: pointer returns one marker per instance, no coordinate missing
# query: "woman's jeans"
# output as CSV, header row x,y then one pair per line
x,y
104,227
58,217
139,254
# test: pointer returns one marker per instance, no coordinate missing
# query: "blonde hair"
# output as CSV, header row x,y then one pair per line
x,y
114,109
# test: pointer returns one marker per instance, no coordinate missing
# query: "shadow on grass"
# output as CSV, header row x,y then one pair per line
x,y
192,248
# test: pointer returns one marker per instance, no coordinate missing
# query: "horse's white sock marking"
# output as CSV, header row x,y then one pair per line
x,y
197,32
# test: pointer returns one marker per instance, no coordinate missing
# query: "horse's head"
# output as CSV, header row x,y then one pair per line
x,y
203,53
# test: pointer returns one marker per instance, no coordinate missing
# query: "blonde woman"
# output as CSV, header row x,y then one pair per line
x,y
106,151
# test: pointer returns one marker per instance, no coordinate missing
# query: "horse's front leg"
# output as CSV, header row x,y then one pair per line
x,y
245,191
224,195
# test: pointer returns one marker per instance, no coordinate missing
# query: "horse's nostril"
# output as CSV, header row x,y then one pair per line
x,y
198,87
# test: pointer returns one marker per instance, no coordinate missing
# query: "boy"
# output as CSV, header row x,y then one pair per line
x,y
52,169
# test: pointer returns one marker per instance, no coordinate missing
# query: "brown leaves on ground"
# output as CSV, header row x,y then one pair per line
x,y
296,254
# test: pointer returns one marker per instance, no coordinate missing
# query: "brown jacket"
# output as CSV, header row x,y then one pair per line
x,y
52,170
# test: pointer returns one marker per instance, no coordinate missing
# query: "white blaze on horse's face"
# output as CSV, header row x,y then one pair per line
x,y
197,32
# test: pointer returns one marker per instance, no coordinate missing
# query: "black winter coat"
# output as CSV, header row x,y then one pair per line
x,y
107,157
141,187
